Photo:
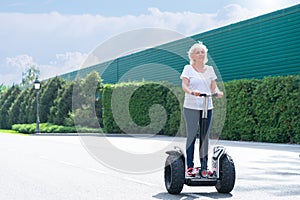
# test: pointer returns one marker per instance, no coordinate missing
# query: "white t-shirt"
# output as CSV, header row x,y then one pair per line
x,y
200,81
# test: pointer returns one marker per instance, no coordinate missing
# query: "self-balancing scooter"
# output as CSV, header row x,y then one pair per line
x,y
223,169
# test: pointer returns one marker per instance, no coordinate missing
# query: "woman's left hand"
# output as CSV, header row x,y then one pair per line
x,y
220,94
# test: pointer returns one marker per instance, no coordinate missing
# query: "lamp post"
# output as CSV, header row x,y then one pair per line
x,y
37,86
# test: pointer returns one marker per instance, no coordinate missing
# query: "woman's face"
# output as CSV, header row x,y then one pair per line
x,y
198,54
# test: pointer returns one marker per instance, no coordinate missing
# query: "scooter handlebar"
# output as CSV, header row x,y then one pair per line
x,y
208,95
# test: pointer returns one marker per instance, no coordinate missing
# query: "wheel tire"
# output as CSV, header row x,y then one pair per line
x,y
227,175
174,174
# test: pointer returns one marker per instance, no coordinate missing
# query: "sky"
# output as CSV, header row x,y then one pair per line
x,y
58,35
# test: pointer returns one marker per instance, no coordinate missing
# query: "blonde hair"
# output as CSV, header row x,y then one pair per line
x,y
198,45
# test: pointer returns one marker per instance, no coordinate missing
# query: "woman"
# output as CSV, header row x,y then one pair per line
x,y
197,78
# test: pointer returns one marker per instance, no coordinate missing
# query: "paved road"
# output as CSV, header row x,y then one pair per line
x,y
60,167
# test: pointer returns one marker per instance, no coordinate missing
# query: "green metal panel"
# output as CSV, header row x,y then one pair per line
x,y
267,45
264,46
108,71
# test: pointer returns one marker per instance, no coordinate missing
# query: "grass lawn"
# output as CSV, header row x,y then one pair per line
x,y
9,131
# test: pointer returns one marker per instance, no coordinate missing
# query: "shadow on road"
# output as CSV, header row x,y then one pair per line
x,y
191,196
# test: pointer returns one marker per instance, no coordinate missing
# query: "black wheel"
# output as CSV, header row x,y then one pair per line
x,y
174,174
227,175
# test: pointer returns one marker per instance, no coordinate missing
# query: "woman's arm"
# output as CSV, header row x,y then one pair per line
x,y
185,87
213,86
214,89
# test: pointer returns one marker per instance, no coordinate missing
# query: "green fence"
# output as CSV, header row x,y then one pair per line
x,y
267,45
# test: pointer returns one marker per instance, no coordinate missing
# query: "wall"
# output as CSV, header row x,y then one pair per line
x,y
267,45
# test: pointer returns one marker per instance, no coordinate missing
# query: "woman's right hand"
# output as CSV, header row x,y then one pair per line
x,y
196,92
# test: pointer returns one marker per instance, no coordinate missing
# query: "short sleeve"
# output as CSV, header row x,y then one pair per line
x,y
212,74
185,73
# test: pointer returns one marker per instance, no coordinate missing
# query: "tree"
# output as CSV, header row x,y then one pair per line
x,y
86,98
29,76
61,110
3,94
15,112
27,107
49,93
3,89
6,103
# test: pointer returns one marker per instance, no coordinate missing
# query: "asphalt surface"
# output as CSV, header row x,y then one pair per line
x,y
65,167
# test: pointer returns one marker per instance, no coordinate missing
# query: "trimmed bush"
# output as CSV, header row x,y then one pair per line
x,y
240,118
277,107
264,110
24,128
44,128
150,108
142,108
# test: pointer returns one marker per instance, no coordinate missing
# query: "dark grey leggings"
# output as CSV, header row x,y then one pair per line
x,y
193,122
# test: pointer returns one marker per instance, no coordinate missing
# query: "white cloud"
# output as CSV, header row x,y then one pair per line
x,y
11,72
20,61
232,13
268,5
63,63
186,23
70,59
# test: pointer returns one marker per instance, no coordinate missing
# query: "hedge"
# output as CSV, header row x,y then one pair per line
x,y
277,105
52,128
240,120
265,110
142,108
150,108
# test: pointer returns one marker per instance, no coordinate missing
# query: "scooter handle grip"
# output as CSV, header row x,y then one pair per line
x,y
208,95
